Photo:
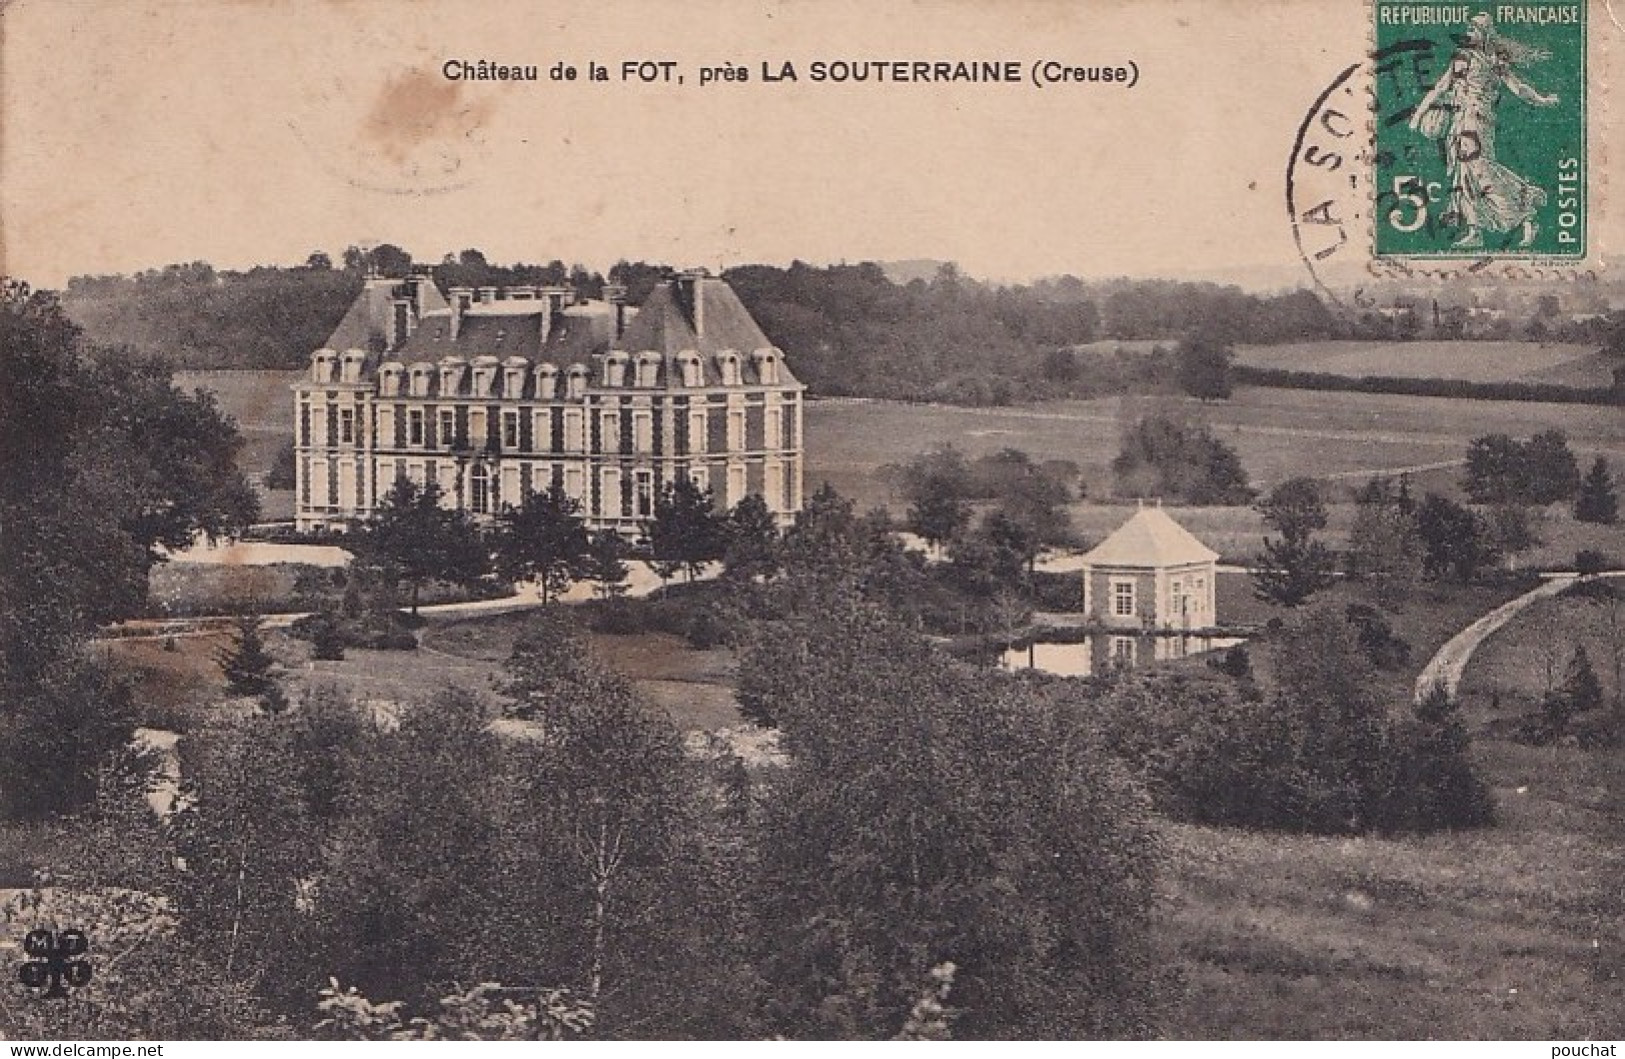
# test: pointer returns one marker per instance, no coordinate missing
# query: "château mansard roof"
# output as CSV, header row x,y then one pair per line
x,y
367,323
691,332
667,322
1150,539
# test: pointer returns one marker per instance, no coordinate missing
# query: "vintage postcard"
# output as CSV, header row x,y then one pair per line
x,y
774,520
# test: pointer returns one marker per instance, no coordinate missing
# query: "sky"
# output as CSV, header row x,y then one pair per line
x,y
138,132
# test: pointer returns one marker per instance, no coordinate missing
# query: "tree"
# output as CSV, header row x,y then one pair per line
x,y
390,260
937,485
991,559
1203,367
1036,503
686,530
1511,531
605,564
319,260
247,665
823,536
1553,472
1163,454
1502,470
1385,550
1497,470
752,535
615,765
943,811
284,469
1324,692
1597,500
1297,566
1455,540
1581,687
106,463
414,537
543,540
631,873
1431,782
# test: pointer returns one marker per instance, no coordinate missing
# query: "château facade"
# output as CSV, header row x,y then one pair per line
x,y
492,393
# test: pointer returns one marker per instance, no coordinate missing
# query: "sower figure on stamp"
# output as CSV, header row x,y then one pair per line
x,y
1484,194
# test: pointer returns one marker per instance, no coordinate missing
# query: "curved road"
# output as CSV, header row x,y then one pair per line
x,y
1450,661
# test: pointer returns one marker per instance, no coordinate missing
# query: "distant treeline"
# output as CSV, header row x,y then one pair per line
x,y
846,329
1413,387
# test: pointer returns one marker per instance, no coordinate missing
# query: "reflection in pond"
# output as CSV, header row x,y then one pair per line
x,y
1103,651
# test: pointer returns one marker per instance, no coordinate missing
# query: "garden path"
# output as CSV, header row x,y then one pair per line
x,y
1450,661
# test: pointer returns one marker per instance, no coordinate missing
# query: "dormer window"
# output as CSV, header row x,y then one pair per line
x,y
693,374
615,369
728,366
350,366
513,376
649,369
767,367
577,382
321,365
451,376
547,382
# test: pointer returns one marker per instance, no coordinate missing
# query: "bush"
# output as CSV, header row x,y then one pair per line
x,y
330,633
1059,593
1588,562
1235,663
1316,753
1376,637
1431,783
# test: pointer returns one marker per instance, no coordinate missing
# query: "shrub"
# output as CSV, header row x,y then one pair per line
x,y
1588,562
1431,783
1316,753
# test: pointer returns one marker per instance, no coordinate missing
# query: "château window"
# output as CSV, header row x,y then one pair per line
x,y
347,426
646,494
448,428
414,426
1123,599
480,490
510,430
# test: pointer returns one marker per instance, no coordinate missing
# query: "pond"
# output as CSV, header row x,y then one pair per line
x,y
1102,651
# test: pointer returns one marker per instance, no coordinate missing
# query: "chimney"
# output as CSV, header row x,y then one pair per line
x,y
461,299
692,297
416,283
401,322
615,294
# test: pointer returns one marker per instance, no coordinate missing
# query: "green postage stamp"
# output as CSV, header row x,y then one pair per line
x,y
1480,129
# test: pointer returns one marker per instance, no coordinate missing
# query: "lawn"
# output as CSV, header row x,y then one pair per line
x,y
1468,361
175,681
693,687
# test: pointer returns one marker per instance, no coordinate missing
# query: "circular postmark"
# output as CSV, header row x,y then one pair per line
x,y
1327,183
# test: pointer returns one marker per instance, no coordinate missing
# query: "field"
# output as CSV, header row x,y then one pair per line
x,y
1343,437
1508,932
1468,361
262,405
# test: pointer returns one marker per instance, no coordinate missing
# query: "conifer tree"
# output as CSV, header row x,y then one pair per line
x,y
1597,501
